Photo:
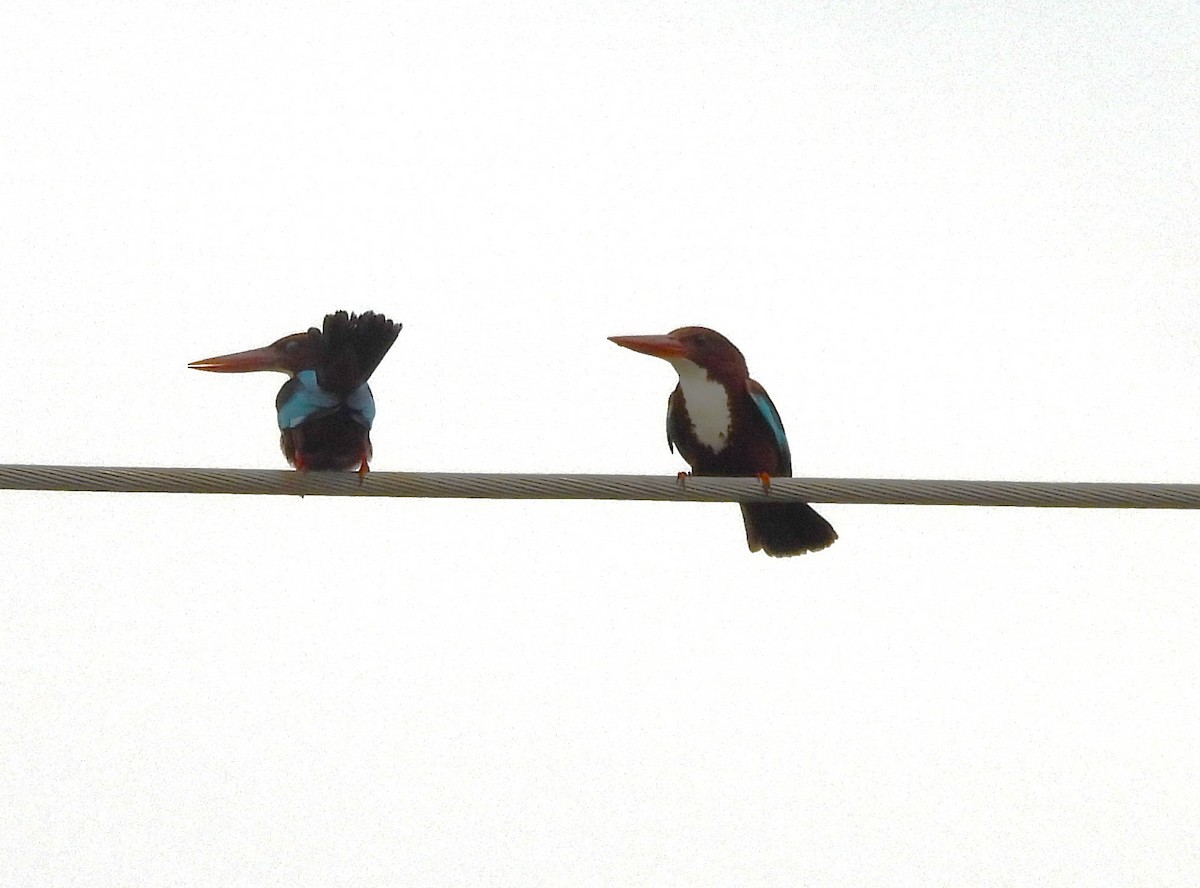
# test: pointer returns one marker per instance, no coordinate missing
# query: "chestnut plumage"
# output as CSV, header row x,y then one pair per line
x,y
325,410
723,423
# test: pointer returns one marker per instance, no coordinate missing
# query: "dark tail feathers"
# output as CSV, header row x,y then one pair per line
x,y
352,346
786,528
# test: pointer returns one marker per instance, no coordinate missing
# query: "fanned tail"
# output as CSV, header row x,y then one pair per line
x,y
786,528
352,346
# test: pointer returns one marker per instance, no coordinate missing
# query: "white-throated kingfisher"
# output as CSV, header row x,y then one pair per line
x,y
723,423
326,408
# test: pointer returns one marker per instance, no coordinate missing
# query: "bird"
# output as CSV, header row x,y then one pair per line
x,y
325,409
723,423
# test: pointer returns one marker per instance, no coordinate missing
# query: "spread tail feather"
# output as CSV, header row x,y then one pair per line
x,y
786,528
352,346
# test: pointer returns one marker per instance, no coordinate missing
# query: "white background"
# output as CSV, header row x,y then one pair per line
x,y
953,240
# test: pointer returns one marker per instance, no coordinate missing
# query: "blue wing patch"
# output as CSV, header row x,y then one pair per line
x,y
771,415
307,399
362,402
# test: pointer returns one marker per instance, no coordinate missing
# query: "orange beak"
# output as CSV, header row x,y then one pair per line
x,y
657,346
266,358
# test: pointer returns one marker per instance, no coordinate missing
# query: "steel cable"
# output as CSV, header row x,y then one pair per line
x,y
113,479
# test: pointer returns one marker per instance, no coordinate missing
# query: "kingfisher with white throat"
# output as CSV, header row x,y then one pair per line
x,y
325,410
724,424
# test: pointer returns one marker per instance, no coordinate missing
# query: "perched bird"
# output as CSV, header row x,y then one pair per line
x,y
723,423
326,407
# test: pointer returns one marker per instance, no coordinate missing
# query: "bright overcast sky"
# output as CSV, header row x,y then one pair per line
x,y
952,239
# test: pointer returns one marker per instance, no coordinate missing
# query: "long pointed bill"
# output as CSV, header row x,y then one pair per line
x,y
666,347
267,358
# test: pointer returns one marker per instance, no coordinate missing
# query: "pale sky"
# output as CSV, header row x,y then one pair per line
x,y
954,240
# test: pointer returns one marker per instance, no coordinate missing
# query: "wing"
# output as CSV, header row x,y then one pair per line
x,y
300,399
762,401
673,429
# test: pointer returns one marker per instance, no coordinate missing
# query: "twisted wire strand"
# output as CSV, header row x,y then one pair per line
x,y
883,491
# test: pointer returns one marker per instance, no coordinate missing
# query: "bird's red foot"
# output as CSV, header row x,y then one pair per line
x,y
362,470
765,478
681,478
298,462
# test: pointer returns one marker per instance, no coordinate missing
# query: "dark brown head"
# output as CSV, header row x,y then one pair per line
x,y
290,355
344,353
701,346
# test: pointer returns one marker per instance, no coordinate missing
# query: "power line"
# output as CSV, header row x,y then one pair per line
x,y
114,479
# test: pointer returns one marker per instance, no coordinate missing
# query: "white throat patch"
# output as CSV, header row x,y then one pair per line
x,y
707,404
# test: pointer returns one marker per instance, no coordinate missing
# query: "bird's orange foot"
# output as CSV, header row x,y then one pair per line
x,y
298,462
362,471
765,478
681,478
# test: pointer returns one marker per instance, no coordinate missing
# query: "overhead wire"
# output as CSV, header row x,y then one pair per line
x,y
881,491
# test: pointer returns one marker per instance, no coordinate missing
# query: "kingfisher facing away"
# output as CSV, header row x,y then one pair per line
x,y
723,423
325,408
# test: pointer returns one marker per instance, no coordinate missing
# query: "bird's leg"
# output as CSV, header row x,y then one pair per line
x,y
765,478
362,470
681,478
298,462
